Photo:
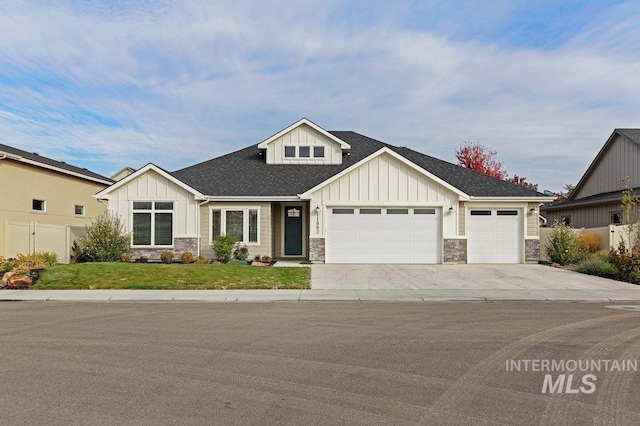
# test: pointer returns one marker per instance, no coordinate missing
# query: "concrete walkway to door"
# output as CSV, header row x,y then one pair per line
x,y
468,282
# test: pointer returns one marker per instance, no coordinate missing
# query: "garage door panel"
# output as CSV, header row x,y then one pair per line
x,y
494,238
383,237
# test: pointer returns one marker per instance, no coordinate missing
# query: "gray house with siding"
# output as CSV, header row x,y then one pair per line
x,y
595,201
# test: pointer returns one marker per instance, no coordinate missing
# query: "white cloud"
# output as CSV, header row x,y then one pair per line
x,y
179,82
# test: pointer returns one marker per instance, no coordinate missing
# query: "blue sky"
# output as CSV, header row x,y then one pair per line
x,y
108,84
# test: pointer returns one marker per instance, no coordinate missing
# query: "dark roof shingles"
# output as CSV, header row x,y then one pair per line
x,y
51,162
245,173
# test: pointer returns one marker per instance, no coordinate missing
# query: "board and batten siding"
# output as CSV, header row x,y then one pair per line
x,y
304,135
386,181
533,220
621,160
594,216
264,228
151,186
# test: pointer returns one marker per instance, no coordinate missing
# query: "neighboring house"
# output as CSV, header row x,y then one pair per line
x,y
335,197
122,173
42,201
595,201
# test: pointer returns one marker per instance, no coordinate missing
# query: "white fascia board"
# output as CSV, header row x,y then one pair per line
x,y
50,167
514,199
104,194
252,198
307,194
343,144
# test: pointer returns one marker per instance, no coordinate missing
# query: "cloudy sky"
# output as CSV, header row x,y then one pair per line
x,y
108,84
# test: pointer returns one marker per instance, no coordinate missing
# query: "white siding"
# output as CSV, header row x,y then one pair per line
x,y
622,159
385,181
153,187
304,135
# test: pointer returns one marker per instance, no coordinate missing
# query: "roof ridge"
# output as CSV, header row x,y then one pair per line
x,y
48,161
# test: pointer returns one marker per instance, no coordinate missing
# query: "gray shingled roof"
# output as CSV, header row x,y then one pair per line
x,y
50,162
245,173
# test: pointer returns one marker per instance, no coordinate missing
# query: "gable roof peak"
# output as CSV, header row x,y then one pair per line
x,y
304,121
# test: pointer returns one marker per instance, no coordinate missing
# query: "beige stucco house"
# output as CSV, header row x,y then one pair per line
x,y
43,201
330,196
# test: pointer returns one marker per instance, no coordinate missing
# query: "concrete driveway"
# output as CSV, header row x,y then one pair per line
x,y
471,282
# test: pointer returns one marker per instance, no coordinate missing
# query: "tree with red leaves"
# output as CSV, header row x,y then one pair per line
x,y
475,156
522,181
478,157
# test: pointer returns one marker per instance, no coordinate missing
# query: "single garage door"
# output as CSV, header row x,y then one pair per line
x,y
384,235
494,236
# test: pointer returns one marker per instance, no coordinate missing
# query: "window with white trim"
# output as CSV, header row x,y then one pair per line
x,y
79,210
38,205
152,223
241,224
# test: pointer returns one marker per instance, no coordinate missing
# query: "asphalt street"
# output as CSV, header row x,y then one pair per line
x,y
314,363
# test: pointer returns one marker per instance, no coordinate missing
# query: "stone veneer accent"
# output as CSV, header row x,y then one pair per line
x,y
316,250
180,245
455,250
531,251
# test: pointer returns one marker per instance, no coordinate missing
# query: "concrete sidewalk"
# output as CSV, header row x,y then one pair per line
x,y
631,294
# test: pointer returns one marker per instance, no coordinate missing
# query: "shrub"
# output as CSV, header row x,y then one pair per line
x,y
223,247
166,257
49,257
186,257
590,243
142,259
202,260
257,258
266,259
31,261
126,258
627,261
562,245
241,252
597,265
105,240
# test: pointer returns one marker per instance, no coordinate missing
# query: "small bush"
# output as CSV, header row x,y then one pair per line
x,y
223,247
166,257
142,259
126,258
49,257
186,257
202,260
257,258
590,243
105,240
266,259
562,245
241,252
31,261
627,261
597,265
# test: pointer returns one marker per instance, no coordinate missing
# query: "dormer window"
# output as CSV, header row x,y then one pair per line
x,y
318,152
304,151
289,152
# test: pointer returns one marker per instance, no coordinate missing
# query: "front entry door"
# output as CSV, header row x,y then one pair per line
x,y
293,230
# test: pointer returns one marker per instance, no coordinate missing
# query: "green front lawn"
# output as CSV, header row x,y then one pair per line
x,y
173,277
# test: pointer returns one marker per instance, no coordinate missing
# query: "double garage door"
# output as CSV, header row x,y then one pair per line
x,y
384,235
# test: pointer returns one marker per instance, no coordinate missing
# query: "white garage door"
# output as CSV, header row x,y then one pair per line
x,y
494,236
384,235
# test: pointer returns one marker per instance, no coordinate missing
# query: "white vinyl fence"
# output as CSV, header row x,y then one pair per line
x,y
34,237
611,236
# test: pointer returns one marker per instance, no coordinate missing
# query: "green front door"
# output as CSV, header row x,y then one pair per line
x,y
293,230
